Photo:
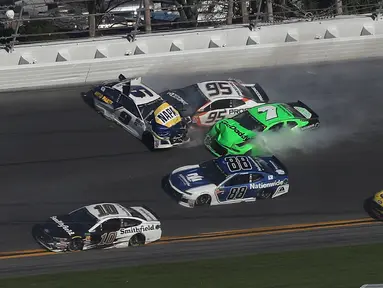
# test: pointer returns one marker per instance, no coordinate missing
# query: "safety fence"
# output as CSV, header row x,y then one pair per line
x,y
46,20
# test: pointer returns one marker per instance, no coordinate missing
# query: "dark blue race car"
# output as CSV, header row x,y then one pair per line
x,y
228,180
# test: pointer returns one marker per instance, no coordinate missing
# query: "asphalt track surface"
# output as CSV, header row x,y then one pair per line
x,y
57,155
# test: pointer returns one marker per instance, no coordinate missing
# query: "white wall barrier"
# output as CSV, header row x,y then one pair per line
x,y
82,62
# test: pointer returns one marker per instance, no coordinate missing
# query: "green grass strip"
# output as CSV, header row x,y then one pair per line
x,y
338,267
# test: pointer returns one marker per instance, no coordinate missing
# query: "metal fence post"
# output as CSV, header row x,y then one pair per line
x,y
17,27
148,22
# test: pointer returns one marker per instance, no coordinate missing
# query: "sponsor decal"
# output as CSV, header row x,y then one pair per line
x,y
62,225
183,179
258,94
236,111
235,129
103,97
177,97
166,115
312,126
137,229
266,185
194,177
303,111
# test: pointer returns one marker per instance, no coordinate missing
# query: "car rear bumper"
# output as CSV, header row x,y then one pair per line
x,y
214,147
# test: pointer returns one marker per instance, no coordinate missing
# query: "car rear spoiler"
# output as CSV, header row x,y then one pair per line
x,y
261,94
151,211
299,104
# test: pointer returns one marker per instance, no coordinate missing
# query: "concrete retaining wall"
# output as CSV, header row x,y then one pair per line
x,y
86,62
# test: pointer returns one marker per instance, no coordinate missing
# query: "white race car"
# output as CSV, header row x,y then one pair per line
x,y
99,226
208,102
140,111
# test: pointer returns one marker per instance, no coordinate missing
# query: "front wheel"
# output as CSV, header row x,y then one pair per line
x,y
148,140
203,200
76,244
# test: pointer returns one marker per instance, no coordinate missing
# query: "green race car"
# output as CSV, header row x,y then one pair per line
x,y
235,136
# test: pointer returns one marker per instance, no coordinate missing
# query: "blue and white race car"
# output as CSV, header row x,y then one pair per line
x,y
140,111
229,180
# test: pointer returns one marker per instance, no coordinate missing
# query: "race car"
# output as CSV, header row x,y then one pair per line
x,y
229,180
375,206
99,226
140,111
208,102
235,136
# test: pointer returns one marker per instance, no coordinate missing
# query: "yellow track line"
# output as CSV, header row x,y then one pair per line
x,y
221,235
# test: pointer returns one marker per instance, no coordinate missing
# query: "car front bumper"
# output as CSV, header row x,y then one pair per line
x,y
164,143
47,241
182,198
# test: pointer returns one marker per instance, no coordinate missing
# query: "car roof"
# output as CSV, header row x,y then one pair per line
x,y
94,209
237,94
283,112
138,100
256,164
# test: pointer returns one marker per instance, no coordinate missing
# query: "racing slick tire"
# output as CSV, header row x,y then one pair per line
x,y
137,240
203,200
148,140
76,244
249,153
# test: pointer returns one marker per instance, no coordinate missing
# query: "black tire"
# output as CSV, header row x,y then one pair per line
x,y
137,240
148,140
76,244
249,153
203,200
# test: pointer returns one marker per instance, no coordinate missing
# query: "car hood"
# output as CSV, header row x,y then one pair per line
x,y
178,103
62,227
189,179
231,133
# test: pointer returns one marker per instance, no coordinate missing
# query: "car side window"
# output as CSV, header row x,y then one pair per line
x,y
255,177
207,108
129,105
220,104
236,103
276,127
291,124
111,225
238,180
127,223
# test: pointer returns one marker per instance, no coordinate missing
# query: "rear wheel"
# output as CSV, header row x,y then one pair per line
x,y
203,200
137,240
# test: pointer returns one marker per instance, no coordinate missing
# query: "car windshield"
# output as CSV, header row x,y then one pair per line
x,y
84,217
192,95
148,108
213,172
246,120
